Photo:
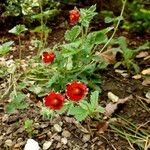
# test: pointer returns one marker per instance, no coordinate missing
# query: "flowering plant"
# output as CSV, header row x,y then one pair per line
x,y
62,75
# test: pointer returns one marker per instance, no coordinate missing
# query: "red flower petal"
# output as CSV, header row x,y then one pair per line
x,y
54,101
76,91
48,57
74,16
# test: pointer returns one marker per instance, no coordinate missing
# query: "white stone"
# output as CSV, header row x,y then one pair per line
x,y
31,145
66,133
64,141
8,143
57,128
47,145
86,138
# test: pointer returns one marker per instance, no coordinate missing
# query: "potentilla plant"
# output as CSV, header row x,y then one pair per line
x,y
70,68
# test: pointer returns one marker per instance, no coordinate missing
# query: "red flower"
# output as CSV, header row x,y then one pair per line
x,y
48,57
54,100
76,91
74,16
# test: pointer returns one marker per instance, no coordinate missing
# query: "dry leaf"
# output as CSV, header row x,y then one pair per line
x,y
102,127
146,82
148,57
142,55
111,107
146,71
109,57
138,76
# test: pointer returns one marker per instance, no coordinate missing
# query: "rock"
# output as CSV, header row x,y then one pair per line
x,y
64,141
47,145
49,134
31,145
58,145
66,133
9,142
36,125
57,138
5,118
57,128
86,138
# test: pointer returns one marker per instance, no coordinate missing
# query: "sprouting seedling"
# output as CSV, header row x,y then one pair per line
x,y
28,126
17,30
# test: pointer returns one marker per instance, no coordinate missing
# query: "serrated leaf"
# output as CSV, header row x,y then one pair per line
x,y
20,97
79,113
100,109
18,29
84,104
94,99
22,106
73,34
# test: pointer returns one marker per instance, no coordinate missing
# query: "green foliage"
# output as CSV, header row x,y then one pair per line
x,y
128,54
18,29
5,47
87,15
27,7
139,20
73,34
28,126
74,60
16,102
46,113
84,108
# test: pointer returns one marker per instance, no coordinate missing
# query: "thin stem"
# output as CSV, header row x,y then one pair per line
x,y
115,29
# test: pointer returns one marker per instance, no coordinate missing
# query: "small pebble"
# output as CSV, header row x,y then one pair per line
x,y
57,138
58,145
64,141
57,128
66,133
49,134
9,142
86,137
47,145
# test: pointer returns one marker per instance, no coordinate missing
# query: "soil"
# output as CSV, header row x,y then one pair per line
x,y
77,136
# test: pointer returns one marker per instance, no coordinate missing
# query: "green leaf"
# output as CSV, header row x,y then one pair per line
x,y
63,109
5,47
10,108
22,106
18,29
41,29
108,19
100,109
84,104
52,80
73,34
94,99
136,67
86,15
46,13
117,64
79,113
69,65
19,98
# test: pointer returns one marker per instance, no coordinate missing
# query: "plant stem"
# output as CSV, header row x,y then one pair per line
x,y
117,25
